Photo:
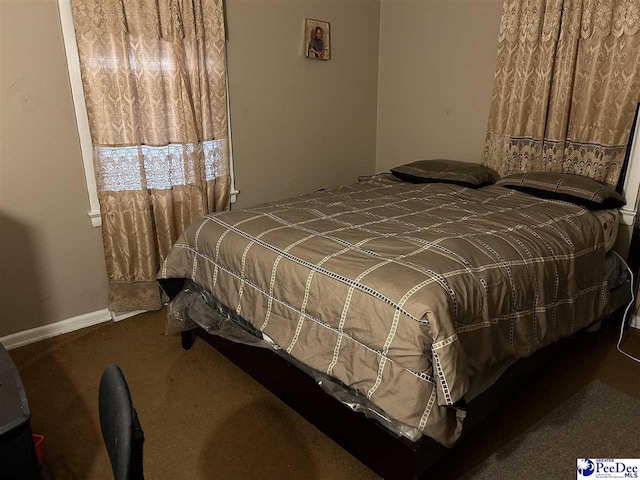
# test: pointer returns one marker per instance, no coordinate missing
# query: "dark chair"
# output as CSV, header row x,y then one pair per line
x,y
121,429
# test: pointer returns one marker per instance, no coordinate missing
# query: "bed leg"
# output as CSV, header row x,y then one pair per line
x,y
188,337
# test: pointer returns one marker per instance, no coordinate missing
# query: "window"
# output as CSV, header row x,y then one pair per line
x,y
160,167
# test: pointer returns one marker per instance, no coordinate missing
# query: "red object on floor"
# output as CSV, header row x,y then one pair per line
x,y
38,442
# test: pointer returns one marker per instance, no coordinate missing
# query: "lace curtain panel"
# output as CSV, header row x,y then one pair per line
x,y
154,80
566,86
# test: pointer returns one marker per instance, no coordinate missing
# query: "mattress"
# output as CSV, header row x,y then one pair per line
x,y
194,307
617,271
403,292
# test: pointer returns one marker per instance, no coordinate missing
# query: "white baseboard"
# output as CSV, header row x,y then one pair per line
x,y
628,216
635,321
20,339
117,316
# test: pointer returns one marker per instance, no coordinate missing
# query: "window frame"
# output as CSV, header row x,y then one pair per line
x,y
82,119
631,186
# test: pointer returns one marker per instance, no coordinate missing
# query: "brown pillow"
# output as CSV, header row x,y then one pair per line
x,y
466,174
567,187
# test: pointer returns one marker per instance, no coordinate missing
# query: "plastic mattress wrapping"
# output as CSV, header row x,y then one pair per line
x,y
617,273
196,307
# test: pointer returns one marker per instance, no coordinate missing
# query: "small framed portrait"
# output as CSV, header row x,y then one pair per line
x,y
317,40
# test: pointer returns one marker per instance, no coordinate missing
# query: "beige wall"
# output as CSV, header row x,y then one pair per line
x,y
437,60
51,262
299,125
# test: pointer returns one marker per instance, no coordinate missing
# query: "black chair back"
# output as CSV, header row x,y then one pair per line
x,y
121,429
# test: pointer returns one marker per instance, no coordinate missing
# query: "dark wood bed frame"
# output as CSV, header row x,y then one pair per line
x,y
389,456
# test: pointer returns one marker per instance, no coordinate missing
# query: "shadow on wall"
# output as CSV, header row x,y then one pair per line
x,y
20,271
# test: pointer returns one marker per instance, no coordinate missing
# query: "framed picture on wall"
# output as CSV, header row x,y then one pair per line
x,y
317,40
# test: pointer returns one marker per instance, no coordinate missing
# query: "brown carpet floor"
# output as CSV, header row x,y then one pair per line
x,y
205,418
597,422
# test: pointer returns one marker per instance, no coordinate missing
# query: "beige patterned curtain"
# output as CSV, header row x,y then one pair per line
x,y
153,73
566,86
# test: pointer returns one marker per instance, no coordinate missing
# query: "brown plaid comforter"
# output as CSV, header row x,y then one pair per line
x,y
404,291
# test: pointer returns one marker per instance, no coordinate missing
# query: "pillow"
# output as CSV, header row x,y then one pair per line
x,y
567,187
466,174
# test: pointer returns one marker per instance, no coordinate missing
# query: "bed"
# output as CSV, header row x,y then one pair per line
x,y
414,298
